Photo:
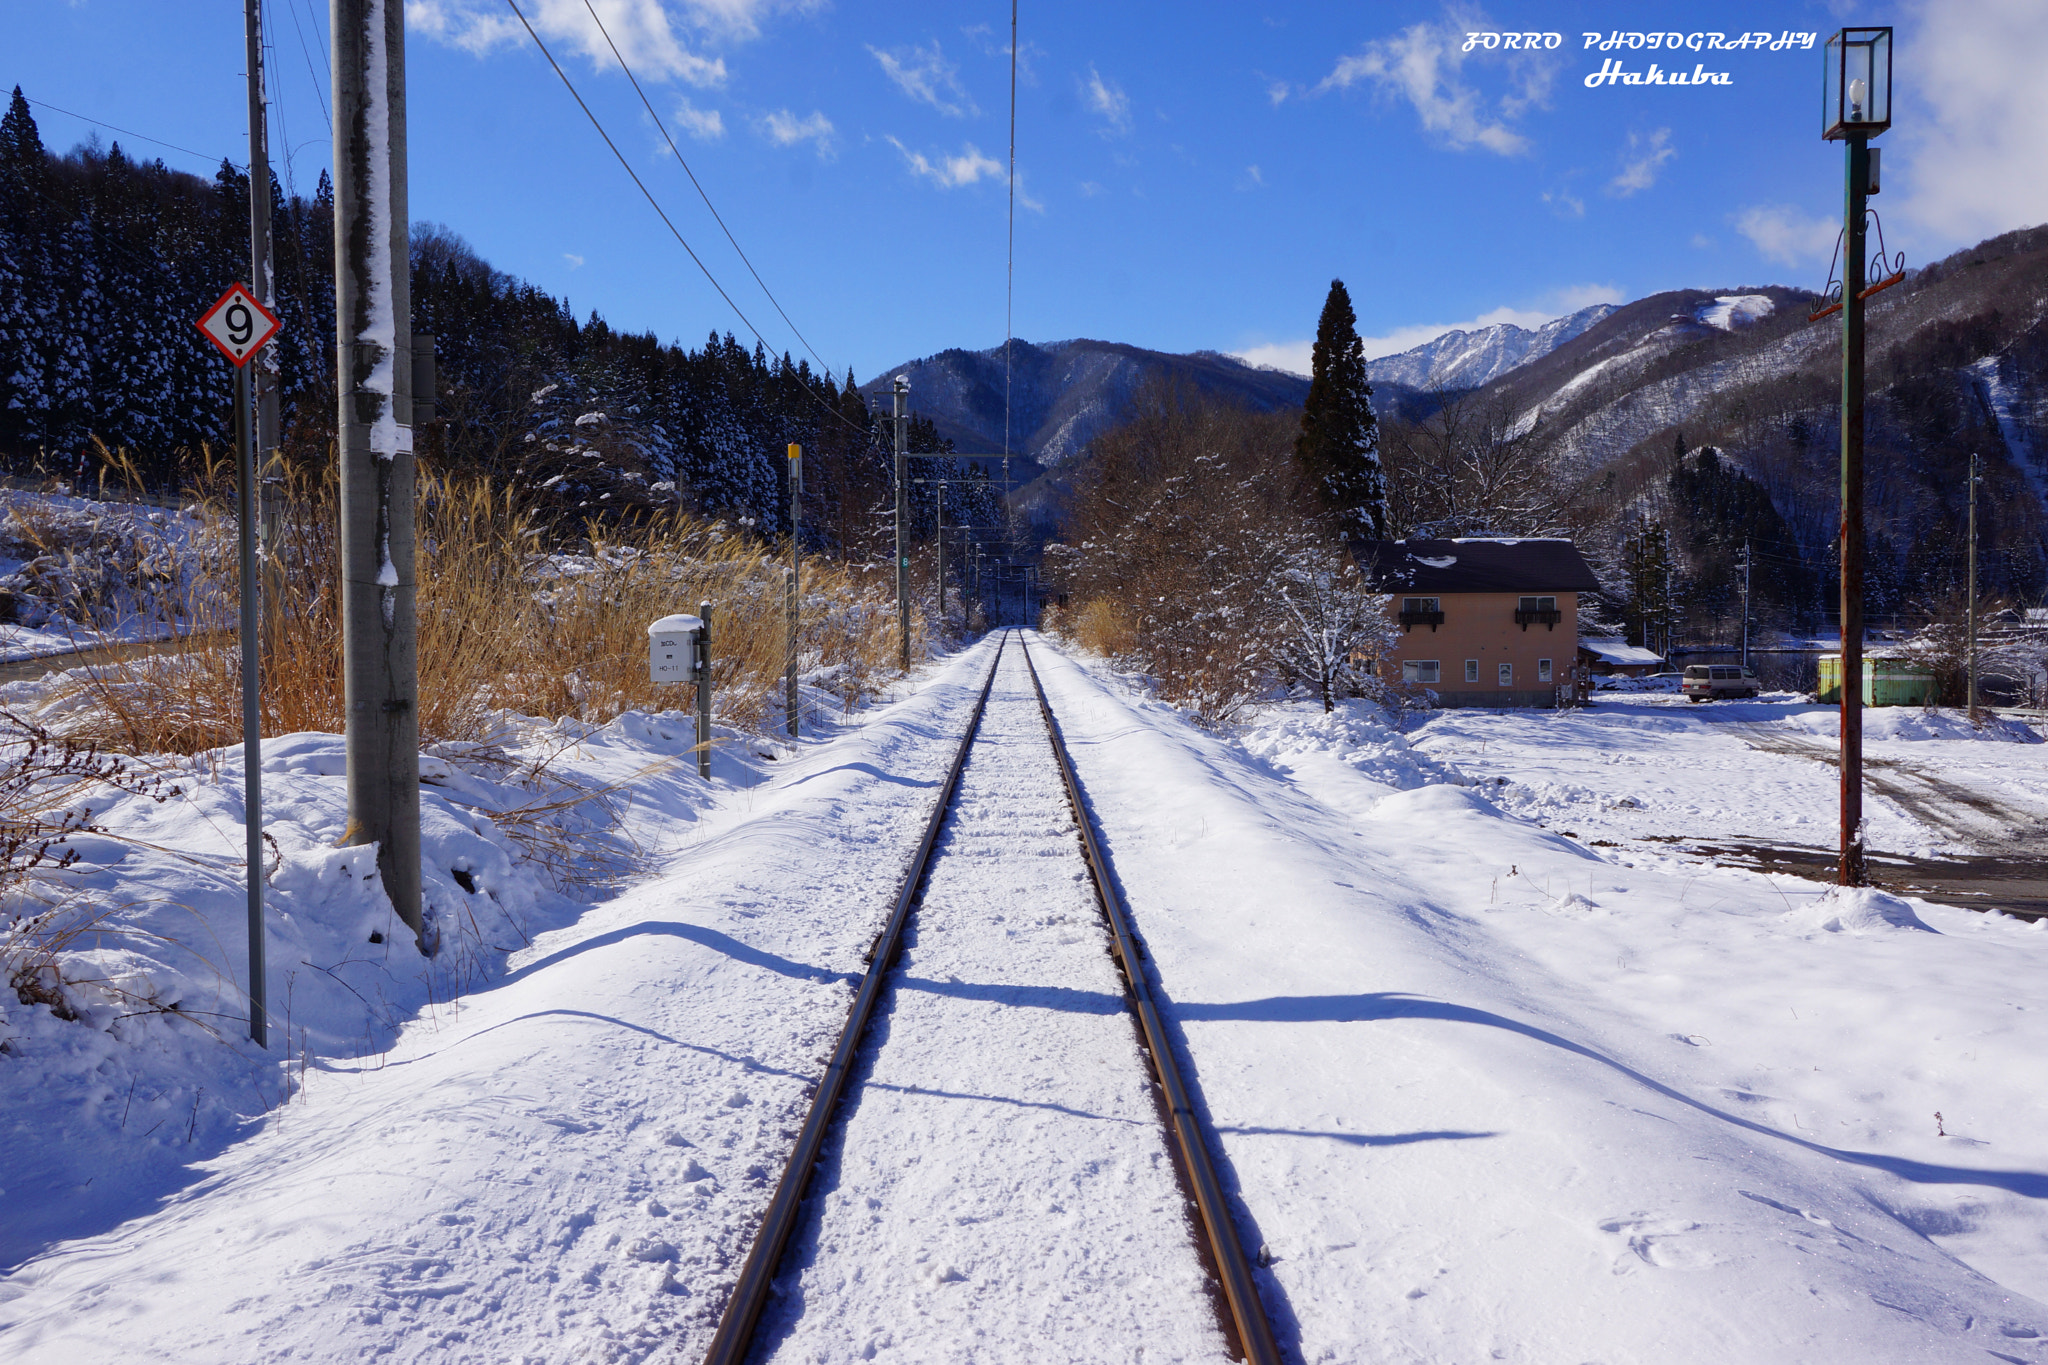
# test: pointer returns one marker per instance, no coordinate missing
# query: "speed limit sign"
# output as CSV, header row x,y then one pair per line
x,y
238,324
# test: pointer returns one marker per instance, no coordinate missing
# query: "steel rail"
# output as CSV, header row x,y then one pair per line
x,y
1254,1333
735,1333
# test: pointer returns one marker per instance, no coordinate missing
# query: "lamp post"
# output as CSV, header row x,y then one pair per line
x,y
1856,106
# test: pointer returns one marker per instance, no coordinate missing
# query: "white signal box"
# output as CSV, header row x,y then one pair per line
x,y
672,648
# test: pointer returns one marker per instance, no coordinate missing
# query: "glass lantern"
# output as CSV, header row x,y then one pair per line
x,y
1857,90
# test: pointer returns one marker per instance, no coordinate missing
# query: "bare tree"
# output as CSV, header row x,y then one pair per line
x,y
1473,464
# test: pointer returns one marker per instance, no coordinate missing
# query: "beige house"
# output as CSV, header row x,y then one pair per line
x,y
1484,620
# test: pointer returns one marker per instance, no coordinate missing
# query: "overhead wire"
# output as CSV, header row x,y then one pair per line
x,y
113,127
319,91
662,213
662,124
1010,257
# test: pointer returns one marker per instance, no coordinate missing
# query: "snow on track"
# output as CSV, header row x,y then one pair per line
x,y
566,1166
1000,1187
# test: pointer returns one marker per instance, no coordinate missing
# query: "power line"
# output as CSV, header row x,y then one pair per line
x,y
205,156
1010,256
655,204
662,124
319,92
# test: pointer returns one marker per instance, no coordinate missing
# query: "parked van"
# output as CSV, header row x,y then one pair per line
x,y
1704,682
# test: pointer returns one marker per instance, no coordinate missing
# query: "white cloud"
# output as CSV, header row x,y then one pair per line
x,y
1564,203
1641,159
785,129
1277,92
926,76
952,172
1702,241
1424,64
1296,356
1971,119
1253,178
706,125
575,261
1788,235
648,32
1108,100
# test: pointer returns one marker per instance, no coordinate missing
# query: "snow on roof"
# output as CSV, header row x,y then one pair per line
x,y
1476,564
1619,652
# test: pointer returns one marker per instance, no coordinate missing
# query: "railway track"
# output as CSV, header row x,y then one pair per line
x,y
1090,1119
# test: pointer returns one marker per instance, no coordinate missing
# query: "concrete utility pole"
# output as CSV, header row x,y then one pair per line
x,y
373,340
902,391
796,508
1971,684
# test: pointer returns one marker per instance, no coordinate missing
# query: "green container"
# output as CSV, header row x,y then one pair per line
x,y
1888,680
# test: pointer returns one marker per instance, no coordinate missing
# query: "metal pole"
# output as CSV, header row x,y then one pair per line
x,y
704,692
373,325
796,507
1972,677
1747,557
942,551
1857,169
252,699
263,284
902,391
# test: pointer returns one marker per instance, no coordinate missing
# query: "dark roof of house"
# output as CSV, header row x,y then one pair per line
x,y
1477,564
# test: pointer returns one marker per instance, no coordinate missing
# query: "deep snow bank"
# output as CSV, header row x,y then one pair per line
x,y
1486,1093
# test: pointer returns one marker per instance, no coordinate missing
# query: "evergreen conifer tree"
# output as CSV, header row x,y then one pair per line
x,y
1338,449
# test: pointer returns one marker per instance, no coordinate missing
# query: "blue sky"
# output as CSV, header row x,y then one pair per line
x,y
1192,175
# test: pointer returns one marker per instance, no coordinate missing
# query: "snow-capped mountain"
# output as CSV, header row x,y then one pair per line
x,y
1465,360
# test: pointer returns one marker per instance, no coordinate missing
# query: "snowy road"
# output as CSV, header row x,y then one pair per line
x,y
1001,1176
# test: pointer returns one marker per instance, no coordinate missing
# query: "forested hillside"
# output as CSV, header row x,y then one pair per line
x,y
105,261
1682,427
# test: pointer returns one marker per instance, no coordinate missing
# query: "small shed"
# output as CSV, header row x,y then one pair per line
x,y
1888,680
1612,656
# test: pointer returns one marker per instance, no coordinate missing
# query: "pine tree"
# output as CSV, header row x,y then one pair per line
x,y
1338,449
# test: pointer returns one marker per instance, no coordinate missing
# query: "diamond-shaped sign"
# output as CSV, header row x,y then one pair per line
x,y
238,324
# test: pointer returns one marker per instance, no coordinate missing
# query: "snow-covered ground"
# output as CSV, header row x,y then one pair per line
x,y
1480,1090
77,572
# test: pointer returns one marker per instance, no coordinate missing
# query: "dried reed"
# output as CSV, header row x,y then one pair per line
x,y
508,622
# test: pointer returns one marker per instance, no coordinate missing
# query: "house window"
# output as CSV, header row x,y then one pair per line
x,y
1507,675
1538,611
1422,611
1543,670
1421,671
1471,670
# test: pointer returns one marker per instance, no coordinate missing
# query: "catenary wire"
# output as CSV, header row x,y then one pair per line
x,y
111,127
1010,256
318,92
660,123
655,204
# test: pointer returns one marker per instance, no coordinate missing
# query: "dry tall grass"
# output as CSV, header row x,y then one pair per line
x,y
506,623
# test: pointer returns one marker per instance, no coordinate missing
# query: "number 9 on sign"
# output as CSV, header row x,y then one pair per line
x,y
238,324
